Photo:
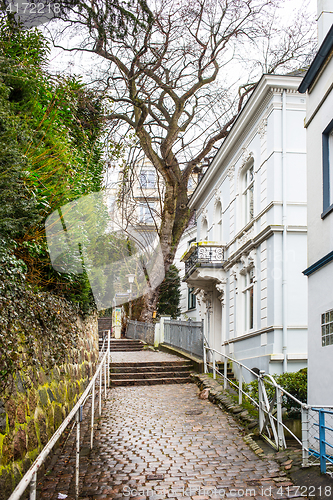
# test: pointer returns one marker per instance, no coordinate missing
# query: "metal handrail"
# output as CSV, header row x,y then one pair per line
x,y
31,475
322,455
265,408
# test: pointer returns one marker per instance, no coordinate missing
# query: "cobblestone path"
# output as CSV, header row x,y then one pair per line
x,y
161,442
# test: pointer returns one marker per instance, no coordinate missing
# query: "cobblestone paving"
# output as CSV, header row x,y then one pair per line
x,y
161,442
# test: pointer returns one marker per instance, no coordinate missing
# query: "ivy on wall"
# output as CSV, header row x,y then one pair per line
x,y
37,329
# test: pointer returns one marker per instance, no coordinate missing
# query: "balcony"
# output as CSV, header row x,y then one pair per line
x,y
204,254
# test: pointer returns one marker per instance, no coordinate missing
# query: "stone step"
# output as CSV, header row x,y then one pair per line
x,y
151,373
124,349
144,369
148,375
151,381
153,363
122,342
123,345
230,373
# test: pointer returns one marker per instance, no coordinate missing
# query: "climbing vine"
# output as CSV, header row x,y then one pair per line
x,y
37,329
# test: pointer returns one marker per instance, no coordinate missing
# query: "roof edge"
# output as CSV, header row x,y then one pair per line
x,y
317,63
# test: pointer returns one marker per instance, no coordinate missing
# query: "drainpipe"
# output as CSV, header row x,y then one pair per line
x,y
284,234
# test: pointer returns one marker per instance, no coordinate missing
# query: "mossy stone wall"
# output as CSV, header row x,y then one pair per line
x,y
31,412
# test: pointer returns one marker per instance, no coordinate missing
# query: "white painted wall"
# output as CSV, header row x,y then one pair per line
x,y
258,134
320,374
320,239
320,231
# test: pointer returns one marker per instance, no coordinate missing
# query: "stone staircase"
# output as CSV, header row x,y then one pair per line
x,y
151,373
230,373
122,345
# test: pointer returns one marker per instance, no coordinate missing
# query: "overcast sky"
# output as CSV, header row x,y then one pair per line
x,y
71,63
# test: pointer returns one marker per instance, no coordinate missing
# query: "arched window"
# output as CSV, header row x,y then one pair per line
x,y
218,222
247,193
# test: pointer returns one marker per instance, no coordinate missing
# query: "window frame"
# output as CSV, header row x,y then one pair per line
x,y
327,315
248,187
191,299
218,222
147,178
146,213
327,137
248,296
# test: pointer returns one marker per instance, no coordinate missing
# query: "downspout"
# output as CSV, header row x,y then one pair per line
x,y
284,234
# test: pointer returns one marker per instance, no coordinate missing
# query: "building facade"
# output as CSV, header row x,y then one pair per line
x,y
318,83
245,265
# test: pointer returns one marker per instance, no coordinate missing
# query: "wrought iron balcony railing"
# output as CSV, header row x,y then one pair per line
x,y
203,254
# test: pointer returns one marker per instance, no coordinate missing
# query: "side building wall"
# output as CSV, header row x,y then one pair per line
x,y
320,241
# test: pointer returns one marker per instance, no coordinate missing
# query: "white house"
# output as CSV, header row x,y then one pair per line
x,y
318,83
250,246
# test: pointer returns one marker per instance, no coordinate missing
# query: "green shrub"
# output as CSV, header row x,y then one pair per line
x,y
295,383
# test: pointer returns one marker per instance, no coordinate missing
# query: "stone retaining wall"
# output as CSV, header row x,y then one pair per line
x,y
31,412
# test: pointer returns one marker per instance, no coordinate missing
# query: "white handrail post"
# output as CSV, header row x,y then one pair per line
x,y
225,372
77,462
214,365
305,436
105,378
205,358
261,400
92,416
109,335
100,391
33,485
280,430
240,385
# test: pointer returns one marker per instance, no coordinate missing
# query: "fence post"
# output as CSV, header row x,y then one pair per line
x,y
33,485
205,357
109,340
225,373
322,446
214,366
100,391
92,417
157,334
105,378
305,436
261,400
240,385
280,430
162,329
77,461
191,336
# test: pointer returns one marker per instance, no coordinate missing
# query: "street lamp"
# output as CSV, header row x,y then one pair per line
x,y
130,278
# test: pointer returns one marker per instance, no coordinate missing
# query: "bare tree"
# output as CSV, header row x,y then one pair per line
x,y
169,75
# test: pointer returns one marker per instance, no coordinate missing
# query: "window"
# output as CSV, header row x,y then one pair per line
x,y
327,328
191,303
248,300
248,194
218,222
328,169
146,211
147,178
